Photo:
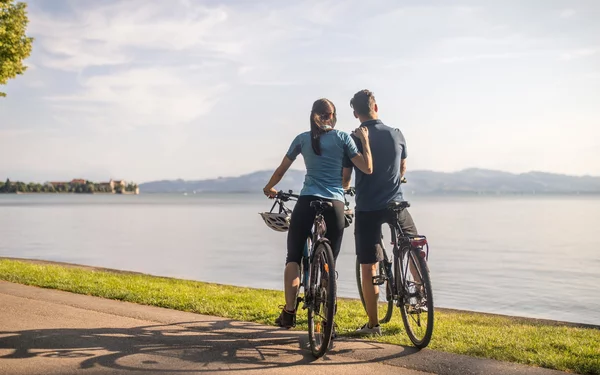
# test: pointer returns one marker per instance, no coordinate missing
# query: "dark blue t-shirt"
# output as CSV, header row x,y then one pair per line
x,y
375,191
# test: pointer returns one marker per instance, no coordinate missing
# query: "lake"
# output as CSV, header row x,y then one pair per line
x,y
535,256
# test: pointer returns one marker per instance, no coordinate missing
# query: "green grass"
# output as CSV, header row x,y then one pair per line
x,y
527,341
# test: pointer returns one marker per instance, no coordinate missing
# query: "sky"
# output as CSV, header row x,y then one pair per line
x,y
148,90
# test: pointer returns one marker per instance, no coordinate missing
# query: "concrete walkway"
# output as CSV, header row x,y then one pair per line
x,y
52,332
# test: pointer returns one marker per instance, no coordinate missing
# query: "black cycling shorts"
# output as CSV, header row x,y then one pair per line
x,y
301,224
367,232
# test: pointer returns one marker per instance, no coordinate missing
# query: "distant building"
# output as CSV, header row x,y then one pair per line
x,y
114,184
79,181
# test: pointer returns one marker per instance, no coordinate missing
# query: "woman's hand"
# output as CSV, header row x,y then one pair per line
x,y
362,133
270,192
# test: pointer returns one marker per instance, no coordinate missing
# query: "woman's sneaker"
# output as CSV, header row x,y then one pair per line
x,y
286,319
366,330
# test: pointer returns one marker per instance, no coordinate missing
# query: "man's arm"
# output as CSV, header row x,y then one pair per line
x,y
347,178
402,168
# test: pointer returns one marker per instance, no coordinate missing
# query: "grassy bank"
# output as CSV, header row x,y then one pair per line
x,y
557,346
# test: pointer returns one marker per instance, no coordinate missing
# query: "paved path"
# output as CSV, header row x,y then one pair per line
x,y
52,332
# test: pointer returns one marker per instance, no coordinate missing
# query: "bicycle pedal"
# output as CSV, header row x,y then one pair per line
x,y
379,280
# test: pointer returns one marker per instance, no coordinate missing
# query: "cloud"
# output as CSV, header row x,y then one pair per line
x,y
143,96
143,63
470,58
115,33
578,54
567,13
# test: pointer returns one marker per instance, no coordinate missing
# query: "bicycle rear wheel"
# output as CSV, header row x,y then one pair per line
x,y
321,309
385,305
416,302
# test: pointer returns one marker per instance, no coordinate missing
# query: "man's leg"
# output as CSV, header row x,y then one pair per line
x,y
407,224
370,292
369,253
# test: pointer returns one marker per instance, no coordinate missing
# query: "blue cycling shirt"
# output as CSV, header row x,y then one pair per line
x,y
324,173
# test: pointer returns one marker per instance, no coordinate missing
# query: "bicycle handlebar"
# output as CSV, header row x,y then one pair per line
x,y
286,196
290,194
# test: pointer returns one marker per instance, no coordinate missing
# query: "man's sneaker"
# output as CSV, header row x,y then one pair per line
x,y
286,319
366,330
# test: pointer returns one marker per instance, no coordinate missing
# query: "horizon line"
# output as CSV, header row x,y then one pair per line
x,y
408,173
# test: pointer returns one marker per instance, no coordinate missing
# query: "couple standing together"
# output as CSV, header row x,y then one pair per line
x,y
378,152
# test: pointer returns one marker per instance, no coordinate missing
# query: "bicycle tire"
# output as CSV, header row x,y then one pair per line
x,y
386,306
322,268
407,316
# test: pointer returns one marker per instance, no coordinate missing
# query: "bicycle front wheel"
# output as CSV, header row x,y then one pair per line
x,y
321,309
416,301
385,305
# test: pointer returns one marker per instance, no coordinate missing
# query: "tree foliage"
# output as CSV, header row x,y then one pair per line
x,y
15,46
68,187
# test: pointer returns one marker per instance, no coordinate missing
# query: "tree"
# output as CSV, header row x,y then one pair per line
x,y
7,186
90,187
15,46
22,187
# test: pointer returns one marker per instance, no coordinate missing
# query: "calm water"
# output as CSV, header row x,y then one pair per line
x,y
529,256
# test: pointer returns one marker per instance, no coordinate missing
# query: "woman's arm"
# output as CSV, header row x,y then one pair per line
x,y
269,190
346,178
363,161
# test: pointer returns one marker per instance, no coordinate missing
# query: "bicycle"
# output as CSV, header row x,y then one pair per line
x,y
406,281
317,277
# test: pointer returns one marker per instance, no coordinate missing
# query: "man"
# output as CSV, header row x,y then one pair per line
x,y
373,194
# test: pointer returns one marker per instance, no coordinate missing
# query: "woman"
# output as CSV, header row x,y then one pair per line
x,y
323,150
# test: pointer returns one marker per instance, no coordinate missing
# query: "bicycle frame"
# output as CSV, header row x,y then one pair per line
x,y
401,246
318,231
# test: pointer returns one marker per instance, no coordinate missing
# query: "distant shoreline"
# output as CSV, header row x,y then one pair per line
x,y
65,193
432,194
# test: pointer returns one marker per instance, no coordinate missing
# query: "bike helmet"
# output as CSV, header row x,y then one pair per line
x,y
279,222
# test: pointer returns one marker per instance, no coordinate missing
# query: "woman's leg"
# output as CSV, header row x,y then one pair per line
x,y
335,221
300,225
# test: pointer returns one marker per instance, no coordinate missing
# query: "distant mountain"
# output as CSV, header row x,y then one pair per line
x,y
253,182
474,181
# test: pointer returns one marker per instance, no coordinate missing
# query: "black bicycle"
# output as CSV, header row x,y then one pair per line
x,y
317,277
404,281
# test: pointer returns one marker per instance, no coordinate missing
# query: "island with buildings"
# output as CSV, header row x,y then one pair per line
x,y
76,186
